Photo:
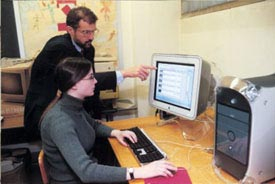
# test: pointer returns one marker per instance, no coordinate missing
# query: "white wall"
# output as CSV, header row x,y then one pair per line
x,y
146,27
238,42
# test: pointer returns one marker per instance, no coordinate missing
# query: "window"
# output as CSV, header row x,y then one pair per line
x,y
190,8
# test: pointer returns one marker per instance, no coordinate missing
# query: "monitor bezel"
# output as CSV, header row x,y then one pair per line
x,y
182,60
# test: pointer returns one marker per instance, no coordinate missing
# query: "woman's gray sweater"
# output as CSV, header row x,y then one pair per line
x,y
68,136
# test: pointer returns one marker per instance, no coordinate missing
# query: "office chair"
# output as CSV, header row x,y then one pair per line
x,y
42,167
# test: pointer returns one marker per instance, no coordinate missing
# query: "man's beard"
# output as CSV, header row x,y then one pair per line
x,y
85,45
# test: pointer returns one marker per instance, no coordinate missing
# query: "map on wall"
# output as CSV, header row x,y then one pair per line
x,y
43,19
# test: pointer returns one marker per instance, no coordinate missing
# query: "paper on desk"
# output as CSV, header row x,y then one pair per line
x,y
124,104
181,177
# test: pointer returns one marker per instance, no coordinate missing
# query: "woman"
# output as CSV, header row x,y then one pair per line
x,y
68,134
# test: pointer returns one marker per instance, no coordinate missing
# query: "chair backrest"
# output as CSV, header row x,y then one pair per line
x,y
42,167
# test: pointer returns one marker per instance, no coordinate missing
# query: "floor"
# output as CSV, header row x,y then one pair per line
x,y
17,176
34,176
103,152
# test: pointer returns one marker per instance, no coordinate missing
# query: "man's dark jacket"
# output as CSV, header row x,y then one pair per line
x,y
42,89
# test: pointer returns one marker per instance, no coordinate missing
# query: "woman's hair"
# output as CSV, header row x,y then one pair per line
x,y
67,73
71,70
80,13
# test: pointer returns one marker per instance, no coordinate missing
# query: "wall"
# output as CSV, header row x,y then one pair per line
x,y
238,42
146,27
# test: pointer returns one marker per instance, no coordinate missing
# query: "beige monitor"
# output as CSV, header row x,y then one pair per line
x,y
15,81
106,64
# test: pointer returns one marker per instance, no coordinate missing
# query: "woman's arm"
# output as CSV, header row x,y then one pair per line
x,y
71,149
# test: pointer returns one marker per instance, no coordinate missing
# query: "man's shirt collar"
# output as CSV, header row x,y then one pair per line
x,y
76,46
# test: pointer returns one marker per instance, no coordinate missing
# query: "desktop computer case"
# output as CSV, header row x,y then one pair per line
x,y
245,128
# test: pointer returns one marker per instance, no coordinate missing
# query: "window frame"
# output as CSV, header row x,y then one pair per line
x,y
215,8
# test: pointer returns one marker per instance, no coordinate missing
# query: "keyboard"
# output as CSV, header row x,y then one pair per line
x,y
145,150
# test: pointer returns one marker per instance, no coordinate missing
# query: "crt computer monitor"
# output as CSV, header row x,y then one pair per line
x,y
15,82
180,85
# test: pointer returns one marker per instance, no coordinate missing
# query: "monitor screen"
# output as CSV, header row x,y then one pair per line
x,y
174,80
11,83
180,85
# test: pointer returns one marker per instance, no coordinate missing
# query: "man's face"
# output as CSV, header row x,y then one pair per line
x,y
84,34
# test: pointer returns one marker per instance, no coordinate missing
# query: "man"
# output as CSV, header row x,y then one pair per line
x,y
81,26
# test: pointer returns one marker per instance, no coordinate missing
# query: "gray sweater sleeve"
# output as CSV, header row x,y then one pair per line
x,y
65,137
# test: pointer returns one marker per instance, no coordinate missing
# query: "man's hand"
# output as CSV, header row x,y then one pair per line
x,y
141,72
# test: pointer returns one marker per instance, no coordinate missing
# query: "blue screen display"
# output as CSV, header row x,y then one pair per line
x,y
174,83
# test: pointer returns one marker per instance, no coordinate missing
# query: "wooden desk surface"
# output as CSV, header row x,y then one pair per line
x,y
190,154
13,114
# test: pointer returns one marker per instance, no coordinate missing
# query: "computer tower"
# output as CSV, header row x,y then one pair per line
x,y
245,128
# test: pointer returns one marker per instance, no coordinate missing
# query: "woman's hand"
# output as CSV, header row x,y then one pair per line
x,y
125,134
156,168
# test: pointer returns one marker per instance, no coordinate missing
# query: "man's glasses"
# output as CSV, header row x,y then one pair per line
x,y
88,32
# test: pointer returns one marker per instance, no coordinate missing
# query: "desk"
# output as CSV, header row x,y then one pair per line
x,y
12,126
181,152
13,114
